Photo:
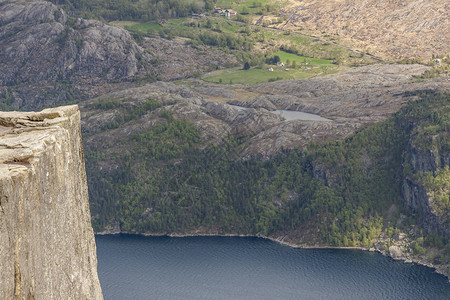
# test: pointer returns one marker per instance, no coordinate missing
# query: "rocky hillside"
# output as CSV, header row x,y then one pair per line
x,y
191,156
398,29
174,59
49,58
349,100
47,246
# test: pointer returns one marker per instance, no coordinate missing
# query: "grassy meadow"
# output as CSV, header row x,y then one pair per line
x,y
253,76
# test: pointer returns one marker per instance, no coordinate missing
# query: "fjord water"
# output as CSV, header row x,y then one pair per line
x,y
137,267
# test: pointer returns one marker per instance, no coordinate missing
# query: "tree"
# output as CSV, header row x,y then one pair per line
x,y
274,60
246,65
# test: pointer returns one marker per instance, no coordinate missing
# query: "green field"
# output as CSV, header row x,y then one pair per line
x,y
306,67
284,56
310,47
251,6
254,76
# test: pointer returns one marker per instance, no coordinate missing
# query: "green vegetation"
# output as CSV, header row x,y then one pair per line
x,y
296,67
247,42
252,76
105,103
258,7
122,193
128,112
142,28
434,133
167,181
285,56
155,10
438,189
440,67
432,247
7,100
171,19
417,247
306,46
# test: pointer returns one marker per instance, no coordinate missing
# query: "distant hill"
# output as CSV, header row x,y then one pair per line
x,y
394,28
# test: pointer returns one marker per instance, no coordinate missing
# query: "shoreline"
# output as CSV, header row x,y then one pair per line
x,y
284,243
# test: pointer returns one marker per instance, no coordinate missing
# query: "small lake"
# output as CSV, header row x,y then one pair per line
x,y
289,115
137,267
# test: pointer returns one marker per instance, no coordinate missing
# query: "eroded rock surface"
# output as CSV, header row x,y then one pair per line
x,y
47,246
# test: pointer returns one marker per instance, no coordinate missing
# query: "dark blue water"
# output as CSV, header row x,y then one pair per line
x,y
136,267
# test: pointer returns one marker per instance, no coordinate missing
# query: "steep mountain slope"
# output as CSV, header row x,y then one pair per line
x,y
406,28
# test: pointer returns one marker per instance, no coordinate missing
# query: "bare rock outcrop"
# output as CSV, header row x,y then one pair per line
x,y
47,246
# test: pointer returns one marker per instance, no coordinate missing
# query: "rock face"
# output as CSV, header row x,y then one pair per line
x,y
38,43
416,195
395,252
47,246
42,51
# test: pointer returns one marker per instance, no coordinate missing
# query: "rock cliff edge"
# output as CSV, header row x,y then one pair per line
x,y
47,246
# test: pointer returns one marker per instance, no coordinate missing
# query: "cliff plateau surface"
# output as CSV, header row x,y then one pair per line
x,y
47,246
